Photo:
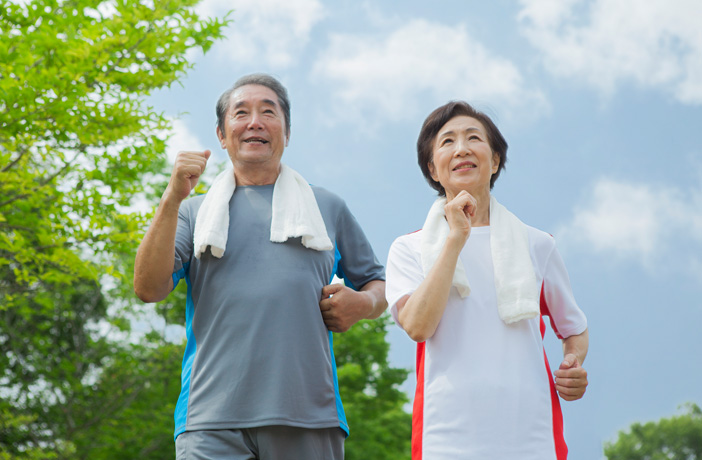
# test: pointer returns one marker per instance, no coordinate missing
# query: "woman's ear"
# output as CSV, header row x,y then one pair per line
x,y
432,171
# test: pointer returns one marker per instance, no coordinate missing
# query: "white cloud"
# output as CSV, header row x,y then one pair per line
x,y
606,43
652,225
181,139
385,74
269,32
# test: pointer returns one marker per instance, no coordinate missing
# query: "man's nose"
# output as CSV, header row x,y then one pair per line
x,y
255,121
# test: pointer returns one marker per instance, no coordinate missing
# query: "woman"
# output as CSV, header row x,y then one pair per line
x,y
471,288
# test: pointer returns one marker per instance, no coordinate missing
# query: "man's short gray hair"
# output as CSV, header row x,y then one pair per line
x,y
262,79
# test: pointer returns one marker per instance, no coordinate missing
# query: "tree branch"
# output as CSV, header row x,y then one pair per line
x,y
15,161
66,165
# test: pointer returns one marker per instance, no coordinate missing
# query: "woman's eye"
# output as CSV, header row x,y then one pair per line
x,y
446,141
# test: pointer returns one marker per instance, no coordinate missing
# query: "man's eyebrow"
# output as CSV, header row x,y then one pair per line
x,y
264,101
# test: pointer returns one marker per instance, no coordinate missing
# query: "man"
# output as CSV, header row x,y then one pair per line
x,y
258,379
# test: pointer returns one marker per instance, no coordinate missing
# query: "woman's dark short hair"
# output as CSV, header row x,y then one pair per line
x,y
262,79
437,119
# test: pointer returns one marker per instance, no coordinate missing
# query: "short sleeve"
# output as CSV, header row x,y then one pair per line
x,y
558,301
183,242
404,271
358,264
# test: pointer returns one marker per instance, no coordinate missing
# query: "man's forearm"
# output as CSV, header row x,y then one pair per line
x,y
153,266
376,291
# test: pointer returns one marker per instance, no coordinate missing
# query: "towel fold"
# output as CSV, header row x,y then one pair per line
x,y
515,279
295,213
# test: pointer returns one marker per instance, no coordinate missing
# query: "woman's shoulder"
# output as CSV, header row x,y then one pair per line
x,y
408,242
411,238
541,242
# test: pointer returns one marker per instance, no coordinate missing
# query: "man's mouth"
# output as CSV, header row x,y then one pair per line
x,y
256,140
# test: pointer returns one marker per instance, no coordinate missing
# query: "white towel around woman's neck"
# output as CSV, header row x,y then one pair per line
x,y
515,280
295,213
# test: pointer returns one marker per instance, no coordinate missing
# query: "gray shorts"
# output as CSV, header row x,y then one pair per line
x,y
262,443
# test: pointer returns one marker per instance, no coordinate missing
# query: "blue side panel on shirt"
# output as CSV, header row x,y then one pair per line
x,y
181,410
339,406
339,271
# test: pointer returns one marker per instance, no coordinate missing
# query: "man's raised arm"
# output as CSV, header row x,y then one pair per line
x,y
153,267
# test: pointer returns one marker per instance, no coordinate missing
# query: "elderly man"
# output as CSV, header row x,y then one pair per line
x,y
257,253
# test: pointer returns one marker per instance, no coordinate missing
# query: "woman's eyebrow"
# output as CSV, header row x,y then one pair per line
x,y
467,130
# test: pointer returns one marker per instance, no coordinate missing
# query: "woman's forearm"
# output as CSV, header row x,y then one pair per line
x,y
419,314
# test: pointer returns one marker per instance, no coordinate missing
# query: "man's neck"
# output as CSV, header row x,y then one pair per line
x,y
257,175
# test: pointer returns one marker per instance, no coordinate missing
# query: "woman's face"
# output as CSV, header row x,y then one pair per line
x,y
462,157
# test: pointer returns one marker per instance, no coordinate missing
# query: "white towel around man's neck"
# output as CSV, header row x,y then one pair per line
x,y
515,280
295,213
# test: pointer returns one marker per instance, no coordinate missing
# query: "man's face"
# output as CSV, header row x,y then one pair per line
x,y
254,128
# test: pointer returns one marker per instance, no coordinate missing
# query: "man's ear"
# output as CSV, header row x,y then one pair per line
x,y
221,138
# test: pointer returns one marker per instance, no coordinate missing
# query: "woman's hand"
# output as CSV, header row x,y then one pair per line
x,y
459,214
571,378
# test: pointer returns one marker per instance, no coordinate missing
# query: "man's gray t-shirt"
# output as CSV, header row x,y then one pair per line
x,y
258,352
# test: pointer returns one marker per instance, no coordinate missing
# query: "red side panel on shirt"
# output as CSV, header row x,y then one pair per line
x,y
418,408
556,414
545,312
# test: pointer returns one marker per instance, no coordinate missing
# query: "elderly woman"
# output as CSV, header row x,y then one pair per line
x,y
472,288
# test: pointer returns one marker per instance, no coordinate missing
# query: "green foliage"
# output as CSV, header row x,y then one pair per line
x,y
142,428
77,141
79,147
369,387
675,438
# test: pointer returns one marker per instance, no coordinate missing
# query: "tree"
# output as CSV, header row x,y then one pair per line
x,y
675,438
78,148
369,387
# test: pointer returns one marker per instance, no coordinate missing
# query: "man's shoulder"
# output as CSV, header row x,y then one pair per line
x,y
327,199
325,194
191,205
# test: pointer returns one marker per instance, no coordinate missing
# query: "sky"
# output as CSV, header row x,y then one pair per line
x,y
601,104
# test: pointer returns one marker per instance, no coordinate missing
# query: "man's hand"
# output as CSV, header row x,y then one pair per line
x,y
571,379
342,307
187,170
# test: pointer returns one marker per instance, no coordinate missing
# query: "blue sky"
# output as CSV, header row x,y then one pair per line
x,y
601,103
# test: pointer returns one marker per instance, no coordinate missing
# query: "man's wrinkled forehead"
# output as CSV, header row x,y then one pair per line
x,y
254,94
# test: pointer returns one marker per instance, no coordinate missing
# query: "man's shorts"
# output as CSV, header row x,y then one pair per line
x,y
262,443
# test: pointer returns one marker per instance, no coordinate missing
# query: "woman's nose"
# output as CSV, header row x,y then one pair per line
x,y
462,148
